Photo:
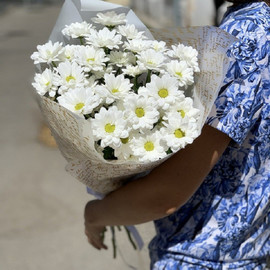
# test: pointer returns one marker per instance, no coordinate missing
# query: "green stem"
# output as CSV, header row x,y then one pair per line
x,y
136,84
81,40
118,72
54,65
130,238
113,242
148,79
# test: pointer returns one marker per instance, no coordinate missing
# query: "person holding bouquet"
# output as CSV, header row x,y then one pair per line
x,y
210,201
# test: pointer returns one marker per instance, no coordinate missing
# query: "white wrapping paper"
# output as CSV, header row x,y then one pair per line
x,y
73,134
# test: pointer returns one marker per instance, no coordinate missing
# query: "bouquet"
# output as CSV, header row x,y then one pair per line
x,y
129,88
118,101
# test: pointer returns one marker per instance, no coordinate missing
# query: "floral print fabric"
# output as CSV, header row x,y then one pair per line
x,y
226,223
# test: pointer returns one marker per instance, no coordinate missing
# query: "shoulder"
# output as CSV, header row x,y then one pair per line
x,y
250,23
247,20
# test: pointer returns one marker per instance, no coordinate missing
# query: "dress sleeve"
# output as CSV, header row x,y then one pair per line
x,y
239,103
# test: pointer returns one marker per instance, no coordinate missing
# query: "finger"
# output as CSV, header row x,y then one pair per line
x,y
93,244
95,241
97,244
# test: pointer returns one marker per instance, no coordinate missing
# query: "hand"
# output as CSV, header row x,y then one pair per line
x,y
94,233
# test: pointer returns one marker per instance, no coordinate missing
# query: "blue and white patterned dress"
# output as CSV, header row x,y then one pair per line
x,y
226,223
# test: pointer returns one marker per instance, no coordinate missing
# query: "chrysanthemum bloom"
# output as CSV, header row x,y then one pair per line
x,y
124,151
159,46
132,71
81,101
186,53
182,72
70,75
164,89
104,38
45,83
120,59
185,109
137,45
91,58
115,87
109,126
91,82
141,112
130,32
150,60
48,53
77,29
69,52
148,147
179,132
110,18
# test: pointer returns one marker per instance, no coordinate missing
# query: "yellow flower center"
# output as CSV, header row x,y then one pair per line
x,y
149,146
124,140
140,112
150,62
79,106
178,133
70,77
109,128
47,84
182,113
90,59
163,92
115,90
179,74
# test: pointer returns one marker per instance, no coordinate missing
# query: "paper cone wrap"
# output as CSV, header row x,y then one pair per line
x,y
74,134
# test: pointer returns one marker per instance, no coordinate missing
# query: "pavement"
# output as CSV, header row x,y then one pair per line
x,y
41,204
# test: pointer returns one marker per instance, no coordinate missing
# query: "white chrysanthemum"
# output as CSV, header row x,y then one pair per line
x,y
132,70
137,45
148,147
91,58
159,46
81,101
45,83
185,109
110,18
124,151
164,89
141,112
182,72
130,32
185,53
70,75
104,38
120,59
48,53
179,132
151,60
91,82
77,29
109,126
69,52
100,74
115,87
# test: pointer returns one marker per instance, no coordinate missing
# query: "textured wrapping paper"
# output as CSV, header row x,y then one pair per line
x,y
73,134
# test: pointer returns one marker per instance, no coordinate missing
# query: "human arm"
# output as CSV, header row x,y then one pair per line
x,y
164,190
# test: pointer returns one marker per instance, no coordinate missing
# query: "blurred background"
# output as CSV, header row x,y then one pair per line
x,y
41,221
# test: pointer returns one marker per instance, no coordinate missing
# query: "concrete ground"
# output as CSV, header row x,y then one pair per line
x,y
41,220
